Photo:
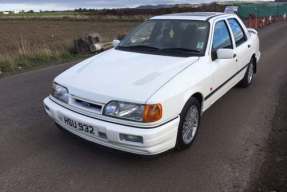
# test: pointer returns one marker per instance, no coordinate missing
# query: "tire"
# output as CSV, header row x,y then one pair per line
x,y
249,76
189,124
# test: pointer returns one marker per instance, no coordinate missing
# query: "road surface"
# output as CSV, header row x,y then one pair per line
x,y
36,156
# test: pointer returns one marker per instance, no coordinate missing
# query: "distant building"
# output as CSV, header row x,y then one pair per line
x,y
6,12
16,11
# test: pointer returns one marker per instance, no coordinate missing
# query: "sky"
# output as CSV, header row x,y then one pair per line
x,y
73,4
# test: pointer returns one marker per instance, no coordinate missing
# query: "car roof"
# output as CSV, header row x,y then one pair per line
x,y
191,16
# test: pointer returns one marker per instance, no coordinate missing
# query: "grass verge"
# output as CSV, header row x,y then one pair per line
x,y
20,63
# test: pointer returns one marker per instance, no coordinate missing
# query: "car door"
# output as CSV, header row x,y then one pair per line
x,y
242,46
223,68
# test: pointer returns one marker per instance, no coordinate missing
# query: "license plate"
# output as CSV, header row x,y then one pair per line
x,y
78,126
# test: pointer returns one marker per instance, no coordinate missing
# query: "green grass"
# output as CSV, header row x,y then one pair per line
x,y
70,15
10,64
43,14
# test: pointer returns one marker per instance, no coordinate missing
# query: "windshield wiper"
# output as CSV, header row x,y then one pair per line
x,y
141,47
181,50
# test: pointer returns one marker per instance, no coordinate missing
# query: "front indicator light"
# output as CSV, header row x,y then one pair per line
x,y
152,113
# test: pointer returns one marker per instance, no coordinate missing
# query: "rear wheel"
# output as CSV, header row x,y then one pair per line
x,y
189,124
249,76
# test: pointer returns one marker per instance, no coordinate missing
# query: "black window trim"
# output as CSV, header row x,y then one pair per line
x,y
214,16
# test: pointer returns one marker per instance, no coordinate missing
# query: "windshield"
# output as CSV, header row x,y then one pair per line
x,y
170,37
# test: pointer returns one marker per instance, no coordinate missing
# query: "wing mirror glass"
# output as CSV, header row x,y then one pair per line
x,y
225,54
116,43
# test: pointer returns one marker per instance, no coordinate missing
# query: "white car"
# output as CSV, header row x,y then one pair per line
x,y
147,94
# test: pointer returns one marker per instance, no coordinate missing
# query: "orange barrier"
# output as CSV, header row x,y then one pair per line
x,y
259,22
252,22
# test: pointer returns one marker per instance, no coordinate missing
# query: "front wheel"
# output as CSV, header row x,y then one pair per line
x,y
189,124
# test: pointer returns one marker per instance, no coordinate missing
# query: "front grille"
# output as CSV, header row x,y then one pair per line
x,y
87,105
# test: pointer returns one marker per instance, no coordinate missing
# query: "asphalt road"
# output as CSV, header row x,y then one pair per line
x,y
36,156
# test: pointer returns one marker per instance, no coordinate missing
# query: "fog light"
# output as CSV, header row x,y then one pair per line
x,y
131,138
103,135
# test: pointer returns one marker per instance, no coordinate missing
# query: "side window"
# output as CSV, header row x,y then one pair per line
x,y
237,31
221,37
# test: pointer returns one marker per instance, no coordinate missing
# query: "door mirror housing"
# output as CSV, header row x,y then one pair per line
x,y
225,54
116,43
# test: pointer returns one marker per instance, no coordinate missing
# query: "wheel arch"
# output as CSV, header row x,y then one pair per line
x,y
196,95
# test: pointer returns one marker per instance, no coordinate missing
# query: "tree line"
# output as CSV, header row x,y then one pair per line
x,y
214,7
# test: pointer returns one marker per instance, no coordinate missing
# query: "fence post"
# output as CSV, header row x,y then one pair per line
x,y
270,19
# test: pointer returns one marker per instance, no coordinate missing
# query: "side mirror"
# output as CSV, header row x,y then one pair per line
x,y
116,43
225,54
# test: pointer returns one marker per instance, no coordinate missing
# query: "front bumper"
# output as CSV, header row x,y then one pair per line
x,y
155,140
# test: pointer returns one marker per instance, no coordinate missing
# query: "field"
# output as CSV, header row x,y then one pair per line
x,y
28,43
33,39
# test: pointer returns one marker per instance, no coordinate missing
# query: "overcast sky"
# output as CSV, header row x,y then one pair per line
x,y
72,4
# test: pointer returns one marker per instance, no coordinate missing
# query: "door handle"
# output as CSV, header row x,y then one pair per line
x,y
235,57
249,46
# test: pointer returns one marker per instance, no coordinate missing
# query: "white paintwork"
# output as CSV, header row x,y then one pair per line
x,y
122,75
188,16
149,79
225,53
156,140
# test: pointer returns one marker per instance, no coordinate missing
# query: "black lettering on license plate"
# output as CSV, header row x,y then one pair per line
x,y
79,126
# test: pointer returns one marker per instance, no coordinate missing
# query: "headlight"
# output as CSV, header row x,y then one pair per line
x,y
61,93
133,112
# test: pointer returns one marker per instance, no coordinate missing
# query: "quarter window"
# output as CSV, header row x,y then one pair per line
x,y
237,31
221,37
